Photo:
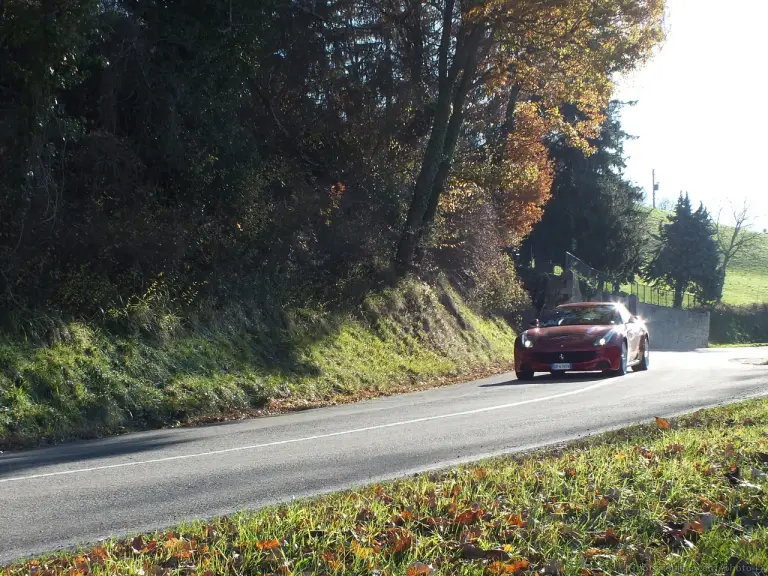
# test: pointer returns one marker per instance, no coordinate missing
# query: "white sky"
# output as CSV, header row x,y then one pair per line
x,y
701,115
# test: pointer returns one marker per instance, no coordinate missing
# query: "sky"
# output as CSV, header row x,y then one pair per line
x,y
700,118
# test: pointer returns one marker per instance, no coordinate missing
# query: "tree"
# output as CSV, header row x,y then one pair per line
x,y
549,53
594,212
687,257
733,240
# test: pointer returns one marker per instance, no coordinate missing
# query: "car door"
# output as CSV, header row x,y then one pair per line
x,y
633,334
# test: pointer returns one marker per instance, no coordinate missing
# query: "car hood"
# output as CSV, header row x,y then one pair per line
x,y
569,337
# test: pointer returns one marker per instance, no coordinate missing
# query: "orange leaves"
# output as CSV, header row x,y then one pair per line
x,y
419,569
712,506
140,547
267,545
500,568
662,423
393,541
469,517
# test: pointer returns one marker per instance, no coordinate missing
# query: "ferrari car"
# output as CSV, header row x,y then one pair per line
x,y
583,337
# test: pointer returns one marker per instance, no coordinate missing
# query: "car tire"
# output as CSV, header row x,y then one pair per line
x,y
524,376
623,363
645,359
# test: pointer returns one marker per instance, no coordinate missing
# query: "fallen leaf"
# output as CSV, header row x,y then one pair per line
x,y
714,507
419,569
99,555
480,473
268,545
365,515
497,554
597,552
602,504
608,537
517,520
662,423
383,496
469,517
138,546
694,528
472,552
504,568
471,534
674,449
394,541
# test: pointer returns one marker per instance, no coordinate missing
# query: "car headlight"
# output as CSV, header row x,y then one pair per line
x,y
526,341
601,341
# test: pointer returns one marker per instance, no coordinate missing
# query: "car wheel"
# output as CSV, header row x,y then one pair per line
x,y
645,359
524,376
623,364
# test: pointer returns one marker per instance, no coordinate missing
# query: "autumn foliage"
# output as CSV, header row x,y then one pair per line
x,y
290,153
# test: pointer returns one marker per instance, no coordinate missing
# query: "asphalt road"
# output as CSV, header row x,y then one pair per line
x,y
80,493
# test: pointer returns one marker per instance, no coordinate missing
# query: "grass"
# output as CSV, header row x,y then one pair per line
x,y
746,279
92,382
679,497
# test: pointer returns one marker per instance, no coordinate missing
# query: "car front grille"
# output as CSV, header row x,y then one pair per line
x,y
571,357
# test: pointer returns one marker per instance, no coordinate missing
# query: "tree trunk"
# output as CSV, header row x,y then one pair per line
x,y
438,156
433,154
679,291
451,138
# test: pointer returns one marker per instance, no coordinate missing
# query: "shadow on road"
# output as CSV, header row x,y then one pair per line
x,y
12,464
550,379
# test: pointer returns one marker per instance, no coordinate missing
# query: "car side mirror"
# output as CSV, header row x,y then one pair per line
x,y
534,323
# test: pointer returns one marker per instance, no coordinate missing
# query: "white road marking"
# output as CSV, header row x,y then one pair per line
x,y
310,438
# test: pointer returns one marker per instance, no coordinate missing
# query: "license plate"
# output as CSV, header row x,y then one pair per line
x,y
561,366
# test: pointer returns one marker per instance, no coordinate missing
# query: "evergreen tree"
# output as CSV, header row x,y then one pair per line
x,y
687,256
594,212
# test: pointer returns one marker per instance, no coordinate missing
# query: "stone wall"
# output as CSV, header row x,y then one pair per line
x,y
669,328
673,329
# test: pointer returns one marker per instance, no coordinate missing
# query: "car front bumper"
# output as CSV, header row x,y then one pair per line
x,y
546,360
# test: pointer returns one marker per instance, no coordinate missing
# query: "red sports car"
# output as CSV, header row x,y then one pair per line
x,y
583,337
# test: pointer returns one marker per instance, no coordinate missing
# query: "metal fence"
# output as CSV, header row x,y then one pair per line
x,y
655,295
592,280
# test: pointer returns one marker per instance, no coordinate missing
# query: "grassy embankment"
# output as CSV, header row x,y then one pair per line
x,y
91,382
682,497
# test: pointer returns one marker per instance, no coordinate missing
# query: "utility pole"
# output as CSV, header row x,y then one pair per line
x,y
655,188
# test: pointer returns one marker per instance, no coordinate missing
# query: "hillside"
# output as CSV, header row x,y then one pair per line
x,y
90,382
746,280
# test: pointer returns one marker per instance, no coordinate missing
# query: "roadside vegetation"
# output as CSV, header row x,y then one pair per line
x,y
91,382
685,496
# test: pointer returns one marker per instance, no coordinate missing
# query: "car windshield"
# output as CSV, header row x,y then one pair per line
x,y
581,316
